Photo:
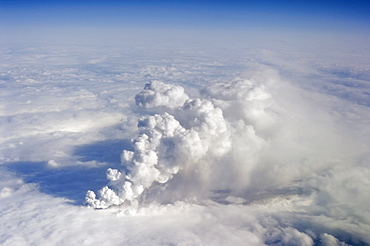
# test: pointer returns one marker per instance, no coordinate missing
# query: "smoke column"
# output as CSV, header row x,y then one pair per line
x,y
240,137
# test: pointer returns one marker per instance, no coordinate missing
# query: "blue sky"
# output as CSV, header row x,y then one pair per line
x,y
113,21
325,15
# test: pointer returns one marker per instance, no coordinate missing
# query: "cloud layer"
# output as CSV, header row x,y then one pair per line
x,y
224,150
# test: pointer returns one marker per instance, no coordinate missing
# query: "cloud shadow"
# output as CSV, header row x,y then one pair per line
x,y
103,151
72,182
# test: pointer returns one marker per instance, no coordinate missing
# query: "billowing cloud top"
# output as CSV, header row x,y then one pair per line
x,y
166,143
157,93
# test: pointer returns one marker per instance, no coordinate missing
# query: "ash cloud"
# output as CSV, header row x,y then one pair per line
x,y
256,143
235,137
166,144
239,136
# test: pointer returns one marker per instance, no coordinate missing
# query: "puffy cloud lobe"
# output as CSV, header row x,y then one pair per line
x,y
244,99
287,236
166,144
113,174
329,240
157,93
